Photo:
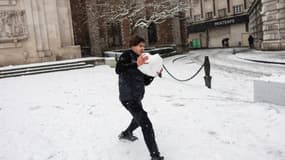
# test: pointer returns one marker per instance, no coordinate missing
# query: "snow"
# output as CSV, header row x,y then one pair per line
x,y
135,11
272,56
153,65
76,115
225,60
78,60
273,78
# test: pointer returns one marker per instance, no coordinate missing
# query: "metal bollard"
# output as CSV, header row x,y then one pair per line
x,y
207,69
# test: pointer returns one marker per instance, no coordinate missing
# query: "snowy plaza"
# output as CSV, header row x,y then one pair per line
x,y
76,115
75,75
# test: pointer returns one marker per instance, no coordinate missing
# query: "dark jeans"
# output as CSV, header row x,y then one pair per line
x,y
251,45
140,119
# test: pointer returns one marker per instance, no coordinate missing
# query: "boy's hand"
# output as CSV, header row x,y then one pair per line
x,y
142,60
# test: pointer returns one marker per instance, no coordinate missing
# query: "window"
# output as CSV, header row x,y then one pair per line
x,y
222,12
7,2
282,34
214,7
152,33
197,17
190,12
209,15
238,9
229,8
270,27
115,35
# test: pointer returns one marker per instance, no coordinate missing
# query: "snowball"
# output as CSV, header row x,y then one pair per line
x,y
153,66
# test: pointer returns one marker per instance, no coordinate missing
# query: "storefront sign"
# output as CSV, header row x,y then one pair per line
x,y
224,22
203,26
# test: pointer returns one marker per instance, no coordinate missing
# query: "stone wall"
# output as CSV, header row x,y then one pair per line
x,y
267,24
255,23
35,31
205,12
102,35
273,24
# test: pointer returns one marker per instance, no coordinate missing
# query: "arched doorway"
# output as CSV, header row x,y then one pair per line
x,y
152,34
80,26
114,35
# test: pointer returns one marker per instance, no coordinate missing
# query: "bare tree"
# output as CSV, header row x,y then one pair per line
x,y
161,10
139,13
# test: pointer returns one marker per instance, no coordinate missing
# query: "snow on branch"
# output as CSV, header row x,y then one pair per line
x,y
139,13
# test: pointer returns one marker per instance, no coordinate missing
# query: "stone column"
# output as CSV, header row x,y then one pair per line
x,y
176,31
67,49
65,22
126,35
40,27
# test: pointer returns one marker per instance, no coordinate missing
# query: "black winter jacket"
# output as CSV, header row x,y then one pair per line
x,y
131,80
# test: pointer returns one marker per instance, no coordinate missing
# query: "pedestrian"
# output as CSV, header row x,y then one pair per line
x,y
131,89
250,41
225,42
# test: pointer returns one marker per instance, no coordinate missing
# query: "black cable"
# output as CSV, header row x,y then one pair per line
x,y
173,61
183,80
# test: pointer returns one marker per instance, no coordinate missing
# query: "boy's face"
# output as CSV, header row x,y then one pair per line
x,y
139,49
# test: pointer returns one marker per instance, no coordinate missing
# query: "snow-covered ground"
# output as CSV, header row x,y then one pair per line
x,y
272,56
224,59
76,115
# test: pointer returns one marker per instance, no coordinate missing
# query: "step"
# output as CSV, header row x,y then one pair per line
x,y
90,60
32,72
46,67
40,68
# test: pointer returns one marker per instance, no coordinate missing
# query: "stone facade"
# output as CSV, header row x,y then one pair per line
x,y
211,21
106,34
36,31
13,25
48,30
267,24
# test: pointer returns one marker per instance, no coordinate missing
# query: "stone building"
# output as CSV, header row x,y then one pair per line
x,y
105,33
48,30
267,24
215,21
36,31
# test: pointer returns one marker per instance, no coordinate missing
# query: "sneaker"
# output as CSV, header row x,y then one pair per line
x,y
127,136
157,158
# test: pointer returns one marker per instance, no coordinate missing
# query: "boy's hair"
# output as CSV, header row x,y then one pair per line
x,y
135,40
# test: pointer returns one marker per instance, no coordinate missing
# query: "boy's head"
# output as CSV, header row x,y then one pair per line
x,y
137,44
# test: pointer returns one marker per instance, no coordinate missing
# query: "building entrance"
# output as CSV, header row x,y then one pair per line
x,y
80,26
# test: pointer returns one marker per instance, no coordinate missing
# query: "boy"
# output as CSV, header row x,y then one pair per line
x,y
131,88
